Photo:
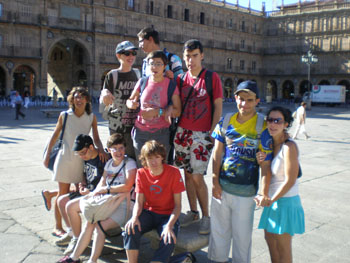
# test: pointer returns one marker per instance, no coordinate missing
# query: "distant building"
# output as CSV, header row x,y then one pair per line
x,y
46,44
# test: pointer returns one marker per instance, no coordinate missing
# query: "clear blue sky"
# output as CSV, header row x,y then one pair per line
x,y
269,4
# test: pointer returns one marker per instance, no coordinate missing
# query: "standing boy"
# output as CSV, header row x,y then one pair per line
x,y
235,177
117,88
203,92
148,42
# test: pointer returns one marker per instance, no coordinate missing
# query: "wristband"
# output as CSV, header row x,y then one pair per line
x,y
160,112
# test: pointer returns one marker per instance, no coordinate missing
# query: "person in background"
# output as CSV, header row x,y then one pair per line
x,y
18,102
301,120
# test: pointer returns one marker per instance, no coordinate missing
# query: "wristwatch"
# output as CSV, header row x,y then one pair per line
x,y
160,112
108,189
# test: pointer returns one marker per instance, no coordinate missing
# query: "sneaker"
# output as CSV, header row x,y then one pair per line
x,y
189,218
71,246
67,259
204,226
64,240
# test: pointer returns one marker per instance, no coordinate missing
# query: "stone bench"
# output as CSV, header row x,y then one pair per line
x,y
51,112
188,239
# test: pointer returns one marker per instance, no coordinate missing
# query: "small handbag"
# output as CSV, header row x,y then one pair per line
x,y
57,146
100,207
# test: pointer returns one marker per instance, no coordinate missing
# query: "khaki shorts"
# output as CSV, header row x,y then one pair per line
x,y
192,150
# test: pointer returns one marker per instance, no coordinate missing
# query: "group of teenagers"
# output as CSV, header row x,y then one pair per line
x,y
145,158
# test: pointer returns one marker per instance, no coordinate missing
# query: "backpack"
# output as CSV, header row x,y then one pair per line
x,y
258,127
171,88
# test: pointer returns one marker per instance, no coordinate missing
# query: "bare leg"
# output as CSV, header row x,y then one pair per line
x,y
62,202
132,255
63,188
73,215
284,246
48,195
83,241
272,244
191,191
201,192
99,240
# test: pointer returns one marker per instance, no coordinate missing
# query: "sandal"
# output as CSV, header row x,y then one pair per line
x,y
58,233
47,204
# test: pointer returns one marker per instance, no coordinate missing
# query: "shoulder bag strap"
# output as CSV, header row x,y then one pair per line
x,y
189,94
63,128
116,174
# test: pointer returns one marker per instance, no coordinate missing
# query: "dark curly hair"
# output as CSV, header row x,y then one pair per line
x,y
83,92
287,114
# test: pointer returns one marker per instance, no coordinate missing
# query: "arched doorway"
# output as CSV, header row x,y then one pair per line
x,y
68,63
304,86
228,89
346,83
24,78
324,82
271,91
81,79
288,89
2,82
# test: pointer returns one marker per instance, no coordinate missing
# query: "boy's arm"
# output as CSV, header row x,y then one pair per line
x,y
217,158
168,233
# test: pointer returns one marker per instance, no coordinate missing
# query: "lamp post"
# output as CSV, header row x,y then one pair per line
x,y
309,59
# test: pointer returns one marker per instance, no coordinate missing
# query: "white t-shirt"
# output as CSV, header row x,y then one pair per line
x,y
300,113
111,170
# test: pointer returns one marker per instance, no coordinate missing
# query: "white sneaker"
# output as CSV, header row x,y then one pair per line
x,y
71,246
189,218
64,240
204,226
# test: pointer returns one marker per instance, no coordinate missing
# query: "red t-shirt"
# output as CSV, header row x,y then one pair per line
x,y
197,114
159,190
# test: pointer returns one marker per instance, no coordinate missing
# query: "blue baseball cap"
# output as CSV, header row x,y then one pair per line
x,y
124,46
248,86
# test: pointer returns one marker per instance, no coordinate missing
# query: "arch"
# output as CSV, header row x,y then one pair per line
x,y
68,66
24,78
305,86
288,89
228,88
81,79
345,83
2,82
324,82
271,90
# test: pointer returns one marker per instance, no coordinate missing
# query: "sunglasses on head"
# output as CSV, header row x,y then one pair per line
x,y
128,53
275,120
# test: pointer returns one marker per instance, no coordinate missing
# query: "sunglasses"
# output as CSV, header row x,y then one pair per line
x,y
128,53
275,121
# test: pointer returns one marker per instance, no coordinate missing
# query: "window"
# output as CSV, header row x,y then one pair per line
x,y
243,26
110,24
170,11
242,43
230,23
241,64
130,3
255,28
187,15
110,50
202,18
151,8
253,66
229,63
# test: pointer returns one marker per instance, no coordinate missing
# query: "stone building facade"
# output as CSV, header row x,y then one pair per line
x,y
57,44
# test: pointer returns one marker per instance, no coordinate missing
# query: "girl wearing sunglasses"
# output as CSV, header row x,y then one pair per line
x,y
284,215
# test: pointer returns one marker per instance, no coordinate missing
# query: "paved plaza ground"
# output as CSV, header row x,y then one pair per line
x,y
25,225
